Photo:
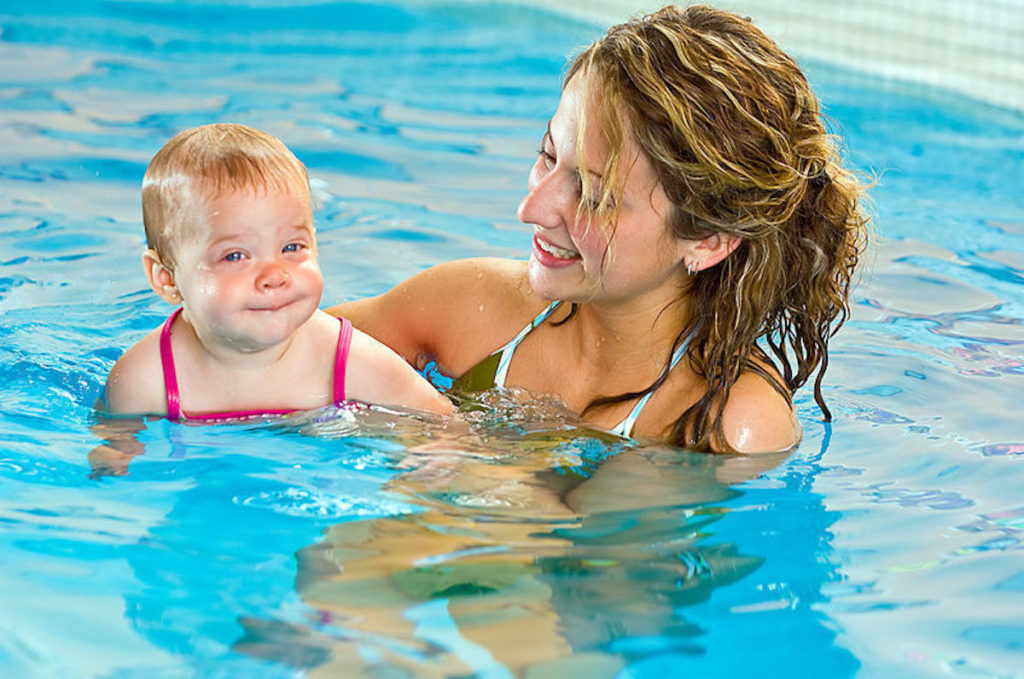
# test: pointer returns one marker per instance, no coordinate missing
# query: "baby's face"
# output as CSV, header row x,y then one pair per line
x,y
248,273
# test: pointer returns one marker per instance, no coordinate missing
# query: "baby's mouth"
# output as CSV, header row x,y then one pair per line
x,y
270,308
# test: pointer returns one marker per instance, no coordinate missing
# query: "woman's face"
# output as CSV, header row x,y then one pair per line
x,y
574,256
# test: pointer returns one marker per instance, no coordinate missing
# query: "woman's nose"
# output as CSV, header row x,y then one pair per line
x,y
548,200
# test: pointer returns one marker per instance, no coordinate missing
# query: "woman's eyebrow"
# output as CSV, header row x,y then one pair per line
x,y
579,168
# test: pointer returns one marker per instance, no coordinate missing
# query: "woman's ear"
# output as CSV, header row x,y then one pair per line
x,y
705,253
160,277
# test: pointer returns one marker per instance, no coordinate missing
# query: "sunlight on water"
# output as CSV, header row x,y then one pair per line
x,y
350,541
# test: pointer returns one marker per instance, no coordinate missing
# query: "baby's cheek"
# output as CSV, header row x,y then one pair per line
x,y
311,272
311,267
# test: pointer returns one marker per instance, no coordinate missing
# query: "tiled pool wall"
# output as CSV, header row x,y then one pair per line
x,y
973,48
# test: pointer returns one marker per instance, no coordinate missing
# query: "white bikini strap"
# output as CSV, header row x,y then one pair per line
x,y
510,348
625,428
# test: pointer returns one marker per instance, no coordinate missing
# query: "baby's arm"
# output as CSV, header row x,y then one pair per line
x,y
120,445
135,385
376,374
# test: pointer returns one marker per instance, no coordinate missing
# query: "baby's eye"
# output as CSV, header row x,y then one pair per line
x,y
294,247
234,256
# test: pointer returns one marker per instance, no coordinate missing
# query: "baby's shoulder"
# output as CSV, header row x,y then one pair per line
x,y
327,331
371,355
376,374
135,383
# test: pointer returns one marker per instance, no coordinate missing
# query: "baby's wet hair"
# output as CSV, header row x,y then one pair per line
x,y
202,162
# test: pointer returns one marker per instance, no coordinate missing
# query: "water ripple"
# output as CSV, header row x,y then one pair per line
x,y
301,502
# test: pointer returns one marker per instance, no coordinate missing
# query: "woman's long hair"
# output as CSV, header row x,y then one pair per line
x,y
736,138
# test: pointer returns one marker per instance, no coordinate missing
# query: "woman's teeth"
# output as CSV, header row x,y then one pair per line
x,y
556,251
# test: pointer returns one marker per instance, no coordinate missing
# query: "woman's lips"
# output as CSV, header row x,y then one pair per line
x,y
551,255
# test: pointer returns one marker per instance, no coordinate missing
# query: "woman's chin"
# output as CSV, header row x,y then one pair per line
x,y
555,283
541,280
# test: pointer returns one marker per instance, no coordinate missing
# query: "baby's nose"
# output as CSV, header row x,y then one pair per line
x,y
273,275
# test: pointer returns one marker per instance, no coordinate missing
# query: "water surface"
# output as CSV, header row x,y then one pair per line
x,y
889,544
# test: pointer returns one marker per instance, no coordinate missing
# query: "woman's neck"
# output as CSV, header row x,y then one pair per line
x,y
630,339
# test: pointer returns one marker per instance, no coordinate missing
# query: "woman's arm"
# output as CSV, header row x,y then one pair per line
x,y
455,313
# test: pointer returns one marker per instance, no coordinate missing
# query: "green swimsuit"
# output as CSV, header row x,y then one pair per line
x,y
491,371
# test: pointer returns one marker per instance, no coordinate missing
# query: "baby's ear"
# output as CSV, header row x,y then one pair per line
x,y
160,277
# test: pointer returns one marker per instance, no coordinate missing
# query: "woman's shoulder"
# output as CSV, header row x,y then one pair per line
x,y
757,418
454,313
470,307
477,277
444,288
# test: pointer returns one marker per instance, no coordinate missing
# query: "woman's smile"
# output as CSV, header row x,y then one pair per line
x,y
551,255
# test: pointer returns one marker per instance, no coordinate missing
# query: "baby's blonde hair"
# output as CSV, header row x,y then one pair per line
x,y
206,161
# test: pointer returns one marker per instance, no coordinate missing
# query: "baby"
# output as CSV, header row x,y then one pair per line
x,y
229,226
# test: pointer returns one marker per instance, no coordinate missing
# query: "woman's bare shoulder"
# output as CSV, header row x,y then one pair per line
x,y
757,418
491,281
453,312
496,269
482,278
446,288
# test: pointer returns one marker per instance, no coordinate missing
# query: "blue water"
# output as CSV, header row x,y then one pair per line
x,y
889,544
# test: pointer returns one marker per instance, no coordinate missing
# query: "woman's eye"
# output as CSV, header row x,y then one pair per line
x,y
591,204
594,200
546,158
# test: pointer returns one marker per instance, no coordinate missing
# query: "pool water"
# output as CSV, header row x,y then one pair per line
x,y
385,544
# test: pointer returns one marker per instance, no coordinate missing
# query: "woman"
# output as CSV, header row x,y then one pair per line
x,y
694,241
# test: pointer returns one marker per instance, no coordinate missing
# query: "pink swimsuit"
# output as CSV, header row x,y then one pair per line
x,y
174,412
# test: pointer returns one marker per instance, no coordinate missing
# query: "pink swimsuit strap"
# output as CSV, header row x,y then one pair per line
x,y
174,412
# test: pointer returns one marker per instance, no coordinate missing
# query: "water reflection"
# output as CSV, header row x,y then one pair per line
x,y
519,562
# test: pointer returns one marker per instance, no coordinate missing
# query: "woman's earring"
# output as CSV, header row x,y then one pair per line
x,y
691,269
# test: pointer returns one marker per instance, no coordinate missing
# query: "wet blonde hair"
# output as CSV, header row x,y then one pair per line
x,y
735,135
203,162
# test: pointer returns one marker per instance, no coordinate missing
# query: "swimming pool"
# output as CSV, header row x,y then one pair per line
x,y
889,544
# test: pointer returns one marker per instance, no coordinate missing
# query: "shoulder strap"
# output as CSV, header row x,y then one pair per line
x,y
625,428
341,359
167,363
510,348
